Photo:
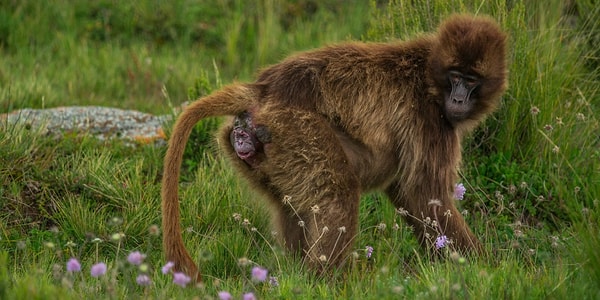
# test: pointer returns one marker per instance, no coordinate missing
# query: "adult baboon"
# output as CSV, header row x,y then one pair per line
x,y
317,129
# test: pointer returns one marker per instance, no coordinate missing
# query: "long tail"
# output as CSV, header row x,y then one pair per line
x,y
231,100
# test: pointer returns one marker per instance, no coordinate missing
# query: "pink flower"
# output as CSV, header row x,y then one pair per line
x,y
224,295
259,274
369,251
249,296
459,191
98,269
73,265
441,241
167,267
136,258
143,280
181,279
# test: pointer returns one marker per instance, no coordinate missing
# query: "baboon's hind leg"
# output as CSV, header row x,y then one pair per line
x,y
319,193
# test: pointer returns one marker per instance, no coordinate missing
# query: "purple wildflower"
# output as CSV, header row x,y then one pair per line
x,y
249,296
259,274
181,279
273,281
459,191
143,280
369,251
441,241
73,265
167,267
98,269
136,258
223,295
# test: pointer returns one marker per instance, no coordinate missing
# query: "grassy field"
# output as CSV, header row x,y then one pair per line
x,y
532,171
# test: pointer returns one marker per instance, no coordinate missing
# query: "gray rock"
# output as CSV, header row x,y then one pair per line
x,y
104,123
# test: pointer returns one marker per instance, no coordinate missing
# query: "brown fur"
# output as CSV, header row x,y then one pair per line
x,y
351,118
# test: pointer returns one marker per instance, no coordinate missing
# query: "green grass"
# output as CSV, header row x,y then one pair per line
x,y
532,170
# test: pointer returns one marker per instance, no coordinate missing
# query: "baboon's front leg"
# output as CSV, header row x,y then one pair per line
x,y
434,218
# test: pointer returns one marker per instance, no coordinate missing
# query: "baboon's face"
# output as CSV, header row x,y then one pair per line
x,y
248,139
244,142
459,96
242,137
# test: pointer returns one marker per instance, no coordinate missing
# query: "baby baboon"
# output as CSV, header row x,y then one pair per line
x,y
316,130
248,139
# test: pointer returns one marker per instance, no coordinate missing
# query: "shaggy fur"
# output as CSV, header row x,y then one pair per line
x,y
351,118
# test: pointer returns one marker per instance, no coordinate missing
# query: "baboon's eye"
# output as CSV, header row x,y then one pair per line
x,y
455,77
471,81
